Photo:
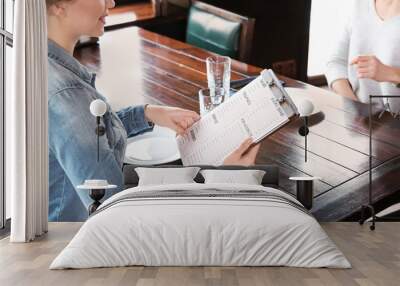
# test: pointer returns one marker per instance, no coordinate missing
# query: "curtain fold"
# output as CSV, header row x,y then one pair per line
x,y
27,139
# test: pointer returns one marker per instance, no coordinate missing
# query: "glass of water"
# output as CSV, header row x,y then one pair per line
x,y
210,99
219,73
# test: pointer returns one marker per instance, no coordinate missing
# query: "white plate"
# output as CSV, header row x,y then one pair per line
x,y
156,147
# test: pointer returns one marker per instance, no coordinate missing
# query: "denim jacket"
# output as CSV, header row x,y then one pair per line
x,y
72,137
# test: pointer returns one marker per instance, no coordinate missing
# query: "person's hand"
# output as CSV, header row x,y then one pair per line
x,y
372,68
177,119
244,155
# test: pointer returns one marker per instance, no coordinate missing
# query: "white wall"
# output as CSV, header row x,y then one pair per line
x,y
327,20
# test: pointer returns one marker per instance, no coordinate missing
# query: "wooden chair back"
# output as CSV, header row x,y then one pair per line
x,y
247,27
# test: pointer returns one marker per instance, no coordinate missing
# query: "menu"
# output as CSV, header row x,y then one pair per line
x,y
255,111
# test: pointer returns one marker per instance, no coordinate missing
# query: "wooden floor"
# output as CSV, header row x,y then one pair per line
x,y
375,257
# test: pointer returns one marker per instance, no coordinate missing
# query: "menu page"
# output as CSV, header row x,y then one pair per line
x,y
252,112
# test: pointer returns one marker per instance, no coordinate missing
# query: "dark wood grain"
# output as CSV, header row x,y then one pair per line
x,y
287,171
135,66
131,13
292,155
354,193
186,51
348,113
326,148
354,140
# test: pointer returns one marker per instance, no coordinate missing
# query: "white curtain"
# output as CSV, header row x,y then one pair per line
x,y
26,116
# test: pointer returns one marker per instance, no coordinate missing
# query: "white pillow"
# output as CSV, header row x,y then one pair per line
x,y
247,177
163,176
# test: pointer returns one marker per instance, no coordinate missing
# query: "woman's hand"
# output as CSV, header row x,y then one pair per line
x,y
245,155
177,119
372,68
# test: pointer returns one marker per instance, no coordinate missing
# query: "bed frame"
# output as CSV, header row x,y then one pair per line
x,y
270,179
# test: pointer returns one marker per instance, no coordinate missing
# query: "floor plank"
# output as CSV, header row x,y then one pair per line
x,y
375,257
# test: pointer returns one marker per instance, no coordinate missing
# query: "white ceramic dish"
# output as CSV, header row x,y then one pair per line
x,y
151,148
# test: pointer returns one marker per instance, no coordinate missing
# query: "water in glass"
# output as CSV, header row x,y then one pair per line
x,y
219,73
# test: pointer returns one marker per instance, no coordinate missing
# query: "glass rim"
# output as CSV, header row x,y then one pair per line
x,y
218,59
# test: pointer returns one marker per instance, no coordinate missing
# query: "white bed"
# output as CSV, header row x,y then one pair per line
x,y
201,225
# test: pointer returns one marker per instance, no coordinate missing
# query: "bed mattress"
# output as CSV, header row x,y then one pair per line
x,y
201,225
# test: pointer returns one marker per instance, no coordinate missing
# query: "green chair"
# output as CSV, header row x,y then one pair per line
x,y
220,31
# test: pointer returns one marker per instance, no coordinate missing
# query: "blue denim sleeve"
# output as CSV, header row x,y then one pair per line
x,y
74,142
134,120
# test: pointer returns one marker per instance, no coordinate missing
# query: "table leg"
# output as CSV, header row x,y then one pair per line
x,y
305,193
95,195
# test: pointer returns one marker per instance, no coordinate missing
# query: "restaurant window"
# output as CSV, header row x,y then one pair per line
x,y
328,18
6,44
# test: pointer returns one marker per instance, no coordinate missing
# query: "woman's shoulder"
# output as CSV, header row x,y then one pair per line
x,y
359,5
60,78
361,16
362,9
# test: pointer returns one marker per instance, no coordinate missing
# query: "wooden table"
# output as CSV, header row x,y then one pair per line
x,y
136,66
130,14
143,14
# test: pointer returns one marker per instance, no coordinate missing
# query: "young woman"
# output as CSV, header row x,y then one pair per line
x,y
72,152
366,59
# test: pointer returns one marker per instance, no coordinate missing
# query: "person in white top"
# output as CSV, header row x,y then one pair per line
x,y
366,59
